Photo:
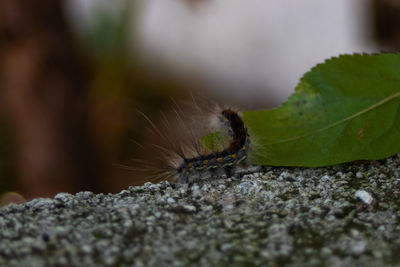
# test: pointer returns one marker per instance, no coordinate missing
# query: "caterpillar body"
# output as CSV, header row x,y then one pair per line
x,y
215,163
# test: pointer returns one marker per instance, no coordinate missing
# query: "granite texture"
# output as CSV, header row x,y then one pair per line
x,y
334,216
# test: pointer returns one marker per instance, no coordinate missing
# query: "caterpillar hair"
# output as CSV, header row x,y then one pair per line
x,y
189,161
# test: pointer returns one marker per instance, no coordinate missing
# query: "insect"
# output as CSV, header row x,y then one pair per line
x,y
215,163
187,162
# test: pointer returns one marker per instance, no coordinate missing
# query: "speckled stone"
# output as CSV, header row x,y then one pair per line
x,y
343,215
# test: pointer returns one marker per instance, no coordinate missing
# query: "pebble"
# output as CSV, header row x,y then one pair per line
x,y
364,196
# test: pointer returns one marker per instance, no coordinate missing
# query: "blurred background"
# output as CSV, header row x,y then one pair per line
x,y
75,73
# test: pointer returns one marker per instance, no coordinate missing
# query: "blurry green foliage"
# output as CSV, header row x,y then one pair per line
x,y
122,83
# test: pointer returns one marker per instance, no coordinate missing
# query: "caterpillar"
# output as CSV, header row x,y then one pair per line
x,y
216,163
180,159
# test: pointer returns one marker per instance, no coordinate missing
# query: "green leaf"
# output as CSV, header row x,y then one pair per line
x,y
343,110
215,141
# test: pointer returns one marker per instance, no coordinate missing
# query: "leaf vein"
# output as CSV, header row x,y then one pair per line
x,y
361,112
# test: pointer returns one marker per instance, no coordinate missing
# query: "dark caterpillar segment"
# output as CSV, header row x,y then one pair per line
x,y
217,163
239,131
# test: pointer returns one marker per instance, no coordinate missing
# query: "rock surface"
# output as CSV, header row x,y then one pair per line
x,y
343,215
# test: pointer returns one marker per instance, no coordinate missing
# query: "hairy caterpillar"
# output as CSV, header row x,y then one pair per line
x,y
214,163
185,163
